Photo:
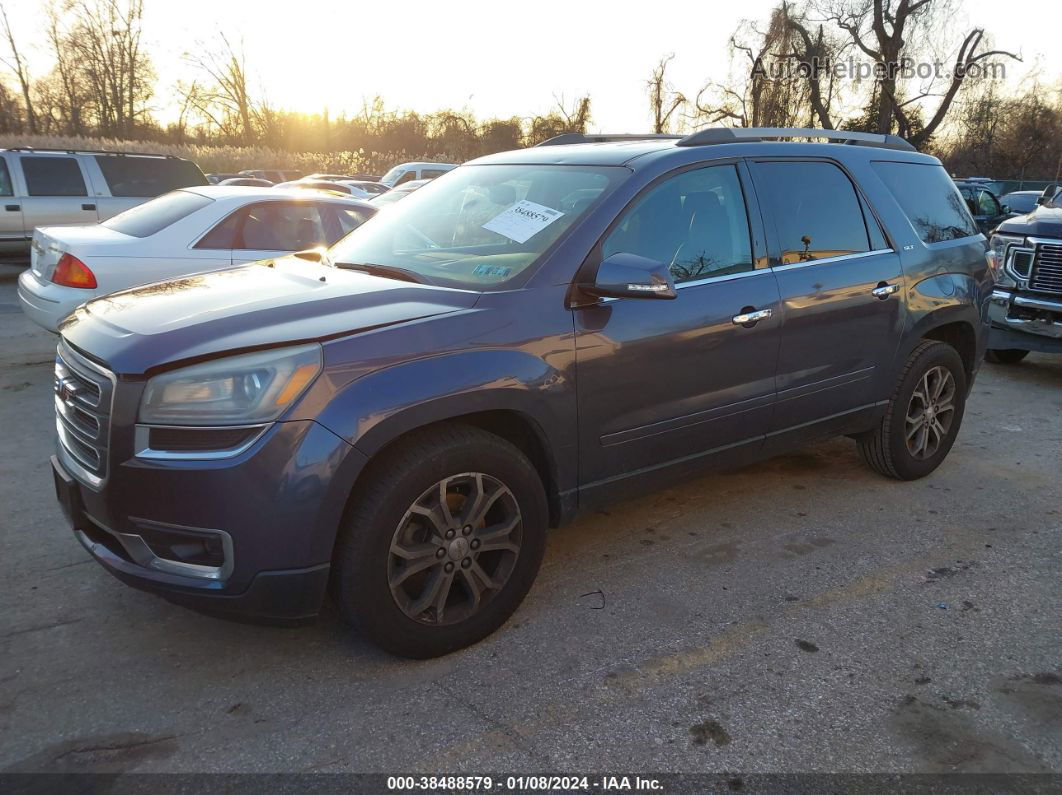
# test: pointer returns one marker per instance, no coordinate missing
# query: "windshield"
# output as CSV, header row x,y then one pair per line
x,y
478,227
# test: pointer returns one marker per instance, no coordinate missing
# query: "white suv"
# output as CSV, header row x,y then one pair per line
x,y
404,172
52,187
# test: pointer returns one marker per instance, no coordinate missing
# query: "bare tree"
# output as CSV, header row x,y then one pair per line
x,y
576,118
225,99
781,75
17,65
664,100
884,31
105,46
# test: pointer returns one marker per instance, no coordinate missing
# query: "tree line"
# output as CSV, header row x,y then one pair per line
x,y
887,66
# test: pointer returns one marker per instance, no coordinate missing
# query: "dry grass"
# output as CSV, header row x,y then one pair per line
x,y
232,158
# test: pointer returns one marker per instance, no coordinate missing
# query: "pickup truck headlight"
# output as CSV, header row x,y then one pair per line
x,y
237,390
1000,247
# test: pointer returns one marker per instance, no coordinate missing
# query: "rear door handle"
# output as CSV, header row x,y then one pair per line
x,y
749,317
88,206
884,290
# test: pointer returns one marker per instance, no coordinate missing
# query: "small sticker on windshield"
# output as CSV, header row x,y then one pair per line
x,y
522,221
499,271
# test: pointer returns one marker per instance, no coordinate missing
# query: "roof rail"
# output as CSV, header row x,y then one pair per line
x,y
85,151
582,138
733,135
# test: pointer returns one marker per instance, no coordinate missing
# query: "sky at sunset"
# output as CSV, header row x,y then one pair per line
x,y
496,58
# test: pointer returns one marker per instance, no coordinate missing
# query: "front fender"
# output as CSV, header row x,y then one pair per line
x,y
375,409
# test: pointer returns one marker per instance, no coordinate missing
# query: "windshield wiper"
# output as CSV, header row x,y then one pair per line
x,y
387,271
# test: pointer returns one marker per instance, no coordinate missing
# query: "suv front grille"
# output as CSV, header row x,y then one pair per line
x,y
1047,268
83,393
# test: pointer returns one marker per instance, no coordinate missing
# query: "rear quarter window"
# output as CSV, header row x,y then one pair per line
x,y
152,217
128,175
929,199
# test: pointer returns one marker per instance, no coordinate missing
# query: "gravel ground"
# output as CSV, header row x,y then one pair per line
x,y
802,614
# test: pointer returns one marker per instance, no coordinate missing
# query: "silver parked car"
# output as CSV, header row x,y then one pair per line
x,y
51,187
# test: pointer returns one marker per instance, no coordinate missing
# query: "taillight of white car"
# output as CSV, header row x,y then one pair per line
x,y
72,272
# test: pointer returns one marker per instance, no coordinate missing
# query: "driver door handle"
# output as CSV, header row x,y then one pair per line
x,y
884,290
750,319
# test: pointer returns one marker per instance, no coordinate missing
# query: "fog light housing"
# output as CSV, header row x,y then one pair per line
x,y
187,545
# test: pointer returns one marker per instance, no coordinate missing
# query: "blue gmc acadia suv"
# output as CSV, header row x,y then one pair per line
x,y
398,420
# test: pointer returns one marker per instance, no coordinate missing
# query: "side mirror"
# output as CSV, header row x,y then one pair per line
x,y
1047,195
1004,208
625,275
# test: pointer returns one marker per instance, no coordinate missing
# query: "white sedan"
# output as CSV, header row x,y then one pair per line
x,y
191,230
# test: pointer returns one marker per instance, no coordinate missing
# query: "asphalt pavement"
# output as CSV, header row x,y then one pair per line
x,y
802,614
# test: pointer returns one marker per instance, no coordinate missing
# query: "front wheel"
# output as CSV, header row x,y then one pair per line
x,y
923,416
1005,355
442,542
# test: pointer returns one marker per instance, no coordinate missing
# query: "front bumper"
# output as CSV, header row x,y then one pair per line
x,y
275,510
1025,321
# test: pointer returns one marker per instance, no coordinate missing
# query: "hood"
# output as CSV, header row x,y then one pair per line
x,y
1044,221
265,304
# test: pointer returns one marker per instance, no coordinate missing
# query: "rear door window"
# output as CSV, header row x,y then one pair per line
x,y
53,176
222,236
283,226
151,217
929,199
143,177
6,189
815,208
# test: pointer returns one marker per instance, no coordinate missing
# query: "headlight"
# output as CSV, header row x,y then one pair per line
x,y
238,390
1002,247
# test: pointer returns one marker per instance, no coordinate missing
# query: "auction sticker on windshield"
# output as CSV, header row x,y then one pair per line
x,y
522,221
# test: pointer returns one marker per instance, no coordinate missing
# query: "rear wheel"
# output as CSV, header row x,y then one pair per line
x,y
923,416
1006,355
442,542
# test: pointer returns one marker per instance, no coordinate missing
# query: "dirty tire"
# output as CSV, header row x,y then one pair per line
x,y
884,449
1005,355
395,482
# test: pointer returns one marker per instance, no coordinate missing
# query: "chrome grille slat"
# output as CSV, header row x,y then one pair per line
x,y
1046,273
83,397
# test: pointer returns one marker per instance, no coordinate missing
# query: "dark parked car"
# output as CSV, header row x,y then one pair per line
x,y
1026,309
1020,201
983,204
398,421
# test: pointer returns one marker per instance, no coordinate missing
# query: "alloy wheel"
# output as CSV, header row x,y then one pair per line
x,y
930,413
454,549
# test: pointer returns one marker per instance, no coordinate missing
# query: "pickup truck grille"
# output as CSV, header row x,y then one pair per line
x,y
1047,268
83,393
